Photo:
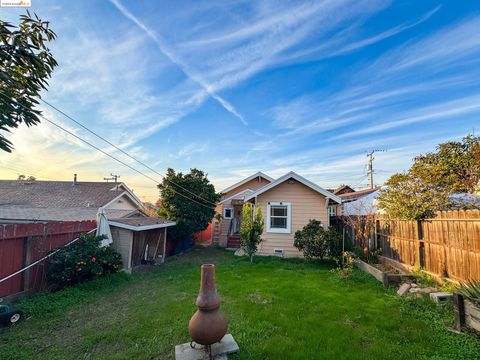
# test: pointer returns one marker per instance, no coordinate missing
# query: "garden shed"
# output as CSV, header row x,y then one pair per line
x,y
140,240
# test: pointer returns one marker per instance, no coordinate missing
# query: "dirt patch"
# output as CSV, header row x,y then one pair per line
x,y
387,268
257,298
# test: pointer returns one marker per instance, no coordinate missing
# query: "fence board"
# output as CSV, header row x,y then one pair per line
x,y
447,245
23,244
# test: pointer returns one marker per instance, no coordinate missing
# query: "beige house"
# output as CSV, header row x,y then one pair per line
x,y
287,204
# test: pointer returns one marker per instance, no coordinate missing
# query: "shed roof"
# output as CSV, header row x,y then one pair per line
x,y
141,223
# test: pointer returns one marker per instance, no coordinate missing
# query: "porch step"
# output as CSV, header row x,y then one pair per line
x,y
233,241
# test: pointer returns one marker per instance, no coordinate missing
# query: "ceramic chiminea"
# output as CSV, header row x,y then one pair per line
x,y
208,325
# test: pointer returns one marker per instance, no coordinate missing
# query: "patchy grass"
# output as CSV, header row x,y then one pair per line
x,y
278,309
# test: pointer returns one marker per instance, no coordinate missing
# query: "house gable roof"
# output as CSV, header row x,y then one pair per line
x,y
54,200
244,181
344,189
237,195
351,196
300,179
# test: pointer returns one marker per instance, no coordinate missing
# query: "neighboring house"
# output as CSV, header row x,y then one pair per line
x,y
347,194
287,204
33,201
229,210
363,204
137,237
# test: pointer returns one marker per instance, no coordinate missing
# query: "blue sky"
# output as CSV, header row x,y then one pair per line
x,y
233,87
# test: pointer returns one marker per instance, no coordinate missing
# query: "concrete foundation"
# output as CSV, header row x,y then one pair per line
x,y
220,350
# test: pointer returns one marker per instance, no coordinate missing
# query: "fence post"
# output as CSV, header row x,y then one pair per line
x,y
459,311
420,244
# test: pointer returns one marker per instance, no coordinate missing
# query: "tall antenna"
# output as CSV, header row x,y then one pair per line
x,y
370,164
113,177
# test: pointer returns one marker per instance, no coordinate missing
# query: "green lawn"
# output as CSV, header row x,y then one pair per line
x,y
278,309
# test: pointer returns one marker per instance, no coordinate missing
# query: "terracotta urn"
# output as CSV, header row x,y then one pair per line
x,y
208,325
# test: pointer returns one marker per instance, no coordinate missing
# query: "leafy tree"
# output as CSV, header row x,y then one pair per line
x,y
191,213
408,197
25,178
251,229
453,167
426,187
25,65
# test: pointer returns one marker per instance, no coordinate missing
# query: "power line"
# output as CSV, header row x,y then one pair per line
x,y
109,155
123,151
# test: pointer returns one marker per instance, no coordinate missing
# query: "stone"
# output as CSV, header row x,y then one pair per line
x,y
413,285
441,297
220,350
428,290
403,289
239,252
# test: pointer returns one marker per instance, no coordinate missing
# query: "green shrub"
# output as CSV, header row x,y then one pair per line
x,y
316,242
471,289
82,261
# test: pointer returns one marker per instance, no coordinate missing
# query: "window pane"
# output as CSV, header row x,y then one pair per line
x,y
278,210
228,213
278,222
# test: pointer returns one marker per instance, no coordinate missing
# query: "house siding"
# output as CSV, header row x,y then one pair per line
x,y
123,203
122,243
305,203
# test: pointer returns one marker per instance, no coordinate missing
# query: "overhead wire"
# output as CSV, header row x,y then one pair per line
x,y
123,151
111,156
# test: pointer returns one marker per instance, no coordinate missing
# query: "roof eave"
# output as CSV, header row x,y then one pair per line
x,y
141,227
299,178
247,179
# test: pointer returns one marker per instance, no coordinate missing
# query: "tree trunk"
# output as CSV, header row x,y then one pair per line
x,y
251,258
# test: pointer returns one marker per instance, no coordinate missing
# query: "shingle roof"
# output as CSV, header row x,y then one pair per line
x,y
141,223
357,194
10,213
57,194
57,200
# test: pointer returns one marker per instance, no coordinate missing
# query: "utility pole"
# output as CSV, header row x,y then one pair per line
x,y
370,165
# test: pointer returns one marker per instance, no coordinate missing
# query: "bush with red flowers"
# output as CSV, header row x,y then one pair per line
x,y
82,261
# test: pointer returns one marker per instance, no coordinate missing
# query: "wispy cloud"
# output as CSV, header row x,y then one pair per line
x,y
175,59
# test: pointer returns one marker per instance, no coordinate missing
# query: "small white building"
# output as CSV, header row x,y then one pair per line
x,y
140,240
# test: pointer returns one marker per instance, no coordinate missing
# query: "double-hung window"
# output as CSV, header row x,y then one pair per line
x,y
279,217
332,210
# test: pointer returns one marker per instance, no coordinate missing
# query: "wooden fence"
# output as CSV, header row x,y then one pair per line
x,y
23,244
447,245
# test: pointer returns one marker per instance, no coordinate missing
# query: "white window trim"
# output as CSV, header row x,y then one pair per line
x,y
331,209
289,218
231,212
